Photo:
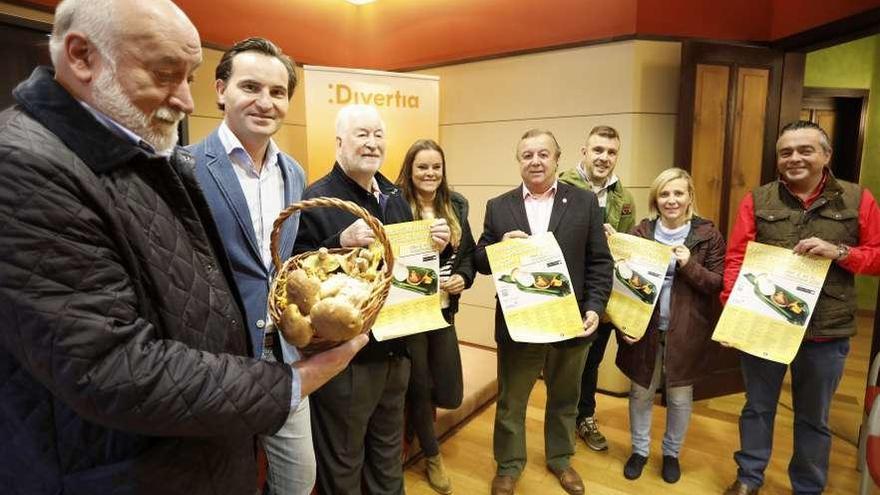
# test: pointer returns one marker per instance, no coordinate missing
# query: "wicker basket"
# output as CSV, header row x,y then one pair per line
x,y
378,288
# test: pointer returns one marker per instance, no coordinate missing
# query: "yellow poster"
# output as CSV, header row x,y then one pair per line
x,y
409,105
413,303
639,268
772,302
534,289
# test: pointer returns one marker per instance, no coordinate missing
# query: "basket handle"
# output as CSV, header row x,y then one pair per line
x,y
324,202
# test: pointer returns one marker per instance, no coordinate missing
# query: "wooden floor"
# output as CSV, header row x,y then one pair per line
x,y
706,459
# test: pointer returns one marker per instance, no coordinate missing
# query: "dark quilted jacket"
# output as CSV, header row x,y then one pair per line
x,y
122,367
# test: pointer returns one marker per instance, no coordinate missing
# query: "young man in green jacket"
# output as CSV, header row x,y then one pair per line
x,y
595,172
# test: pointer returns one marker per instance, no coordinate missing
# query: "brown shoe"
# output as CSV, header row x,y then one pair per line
x,y
436,473
571,481
738,488
503,485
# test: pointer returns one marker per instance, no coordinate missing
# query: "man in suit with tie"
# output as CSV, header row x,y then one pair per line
x,y
247,181
539,205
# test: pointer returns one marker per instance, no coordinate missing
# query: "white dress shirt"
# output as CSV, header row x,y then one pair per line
x,y
263,190
538,208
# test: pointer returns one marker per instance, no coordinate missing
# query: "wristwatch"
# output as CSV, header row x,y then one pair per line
x,y
842,252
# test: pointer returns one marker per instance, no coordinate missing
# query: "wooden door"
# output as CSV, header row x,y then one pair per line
x,y
733,100
842,113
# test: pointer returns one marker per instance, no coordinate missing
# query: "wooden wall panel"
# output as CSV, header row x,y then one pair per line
x,y
748,136
710,120
26,12
826,119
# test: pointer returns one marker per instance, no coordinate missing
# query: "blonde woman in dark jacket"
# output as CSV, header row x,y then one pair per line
x,y
674,350
422,181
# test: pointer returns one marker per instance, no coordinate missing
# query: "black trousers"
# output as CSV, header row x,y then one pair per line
x,y
435,381
357,428
590,376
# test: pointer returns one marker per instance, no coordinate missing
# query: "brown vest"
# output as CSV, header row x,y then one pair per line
x,y
780,220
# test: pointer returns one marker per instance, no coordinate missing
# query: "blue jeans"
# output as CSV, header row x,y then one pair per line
x,y
291,455
679,403
815,374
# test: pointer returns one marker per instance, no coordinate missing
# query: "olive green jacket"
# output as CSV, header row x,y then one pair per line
x,y
620,209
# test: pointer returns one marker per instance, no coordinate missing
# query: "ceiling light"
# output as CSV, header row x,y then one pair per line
x,y
360,2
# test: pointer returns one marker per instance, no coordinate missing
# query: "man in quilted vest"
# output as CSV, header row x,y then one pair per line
x,y
811,212
595,172
124,359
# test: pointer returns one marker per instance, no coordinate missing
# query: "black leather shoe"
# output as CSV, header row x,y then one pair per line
x,y
671,469
634,465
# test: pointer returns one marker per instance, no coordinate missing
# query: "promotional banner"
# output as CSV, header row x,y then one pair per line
x,y
413,303
639,268
772,302
534,289
409,105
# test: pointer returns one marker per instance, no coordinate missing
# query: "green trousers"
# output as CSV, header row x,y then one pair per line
x,y
519,366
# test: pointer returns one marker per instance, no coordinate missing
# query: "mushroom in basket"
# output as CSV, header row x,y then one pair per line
x,y
324,296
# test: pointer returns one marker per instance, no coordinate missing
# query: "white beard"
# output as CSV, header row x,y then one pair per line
x,y
110,99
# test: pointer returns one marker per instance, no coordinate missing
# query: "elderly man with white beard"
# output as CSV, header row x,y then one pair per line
x,y
123,354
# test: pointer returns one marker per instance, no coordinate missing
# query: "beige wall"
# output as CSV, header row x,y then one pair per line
x,y
485,107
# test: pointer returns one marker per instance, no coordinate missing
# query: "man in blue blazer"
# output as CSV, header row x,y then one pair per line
x,y
247,181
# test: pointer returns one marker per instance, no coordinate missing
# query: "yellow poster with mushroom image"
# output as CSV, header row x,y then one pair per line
x,y
639,268
413,304
534,289
772,302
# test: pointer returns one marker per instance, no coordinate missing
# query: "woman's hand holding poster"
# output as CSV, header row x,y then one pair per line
x,y
772,302
413,303
534,289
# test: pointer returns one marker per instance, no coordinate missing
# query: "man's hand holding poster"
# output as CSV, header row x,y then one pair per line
x,y
772,302
534,289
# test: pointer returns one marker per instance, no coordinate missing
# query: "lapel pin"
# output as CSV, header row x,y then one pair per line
x,y
565,200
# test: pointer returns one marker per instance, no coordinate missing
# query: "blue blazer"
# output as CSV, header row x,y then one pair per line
x,y
230,211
